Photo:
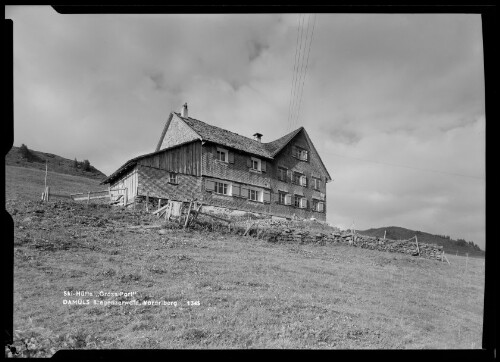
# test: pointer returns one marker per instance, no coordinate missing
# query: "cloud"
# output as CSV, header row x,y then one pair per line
x,y
381,91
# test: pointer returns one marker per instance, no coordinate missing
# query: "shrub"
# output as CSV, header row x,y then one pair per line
x,y
25,152
86,165
75,163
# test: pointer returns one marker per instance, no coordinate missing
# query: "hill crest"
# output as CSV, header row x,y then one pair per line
x,y
450,246
55,163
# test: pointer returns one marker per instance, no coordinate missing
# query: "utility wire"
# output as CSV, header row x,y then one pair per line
x,y
293,74
305,72
404,166
296,73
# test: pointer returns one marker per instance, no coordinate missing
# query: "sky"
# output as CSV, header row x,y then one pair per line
x,y
394,103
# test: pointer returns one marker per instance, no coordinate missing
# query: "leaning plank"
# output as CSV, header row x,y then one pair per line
x,y
188,213
215,217
160,209
248,229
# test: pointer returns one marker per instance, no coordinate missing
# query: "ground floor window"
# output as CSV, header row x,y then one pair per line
x,y
221,188
253,195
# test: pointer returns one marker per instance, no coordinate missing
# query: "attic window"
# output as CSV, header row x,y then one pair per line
x,y
172,178
255,164
300,153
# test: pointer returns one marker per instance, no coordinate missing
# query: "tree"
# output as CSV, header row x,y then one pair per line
x,y
86,165
25,152
75,163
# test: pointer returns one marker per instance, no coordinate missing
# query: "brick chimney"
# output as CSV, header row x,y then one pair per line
x,y
184,111
257,137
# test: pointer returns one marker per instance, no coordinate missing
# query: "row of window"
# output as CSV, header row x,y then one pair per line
x,y
259,195
300,202
285,175
297,178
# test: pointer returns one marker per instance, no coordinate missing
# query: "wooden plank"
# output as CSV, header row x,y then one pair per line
x,y
215,217
188,213
161,209
248,229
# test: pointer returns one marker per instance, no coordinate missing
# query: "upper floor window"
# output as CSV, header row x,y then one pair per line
x,y
222,155
300,153
315,205
255,164
316,183
282,174
296,178
297,200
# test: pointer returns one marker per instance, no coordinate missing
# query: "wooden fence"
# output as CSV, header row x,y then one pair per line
x,y
109,194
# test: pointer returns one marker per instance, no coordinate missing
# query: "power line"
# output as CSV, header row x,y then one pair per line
x,y
297,84
293,73
305,73
296,73
404,166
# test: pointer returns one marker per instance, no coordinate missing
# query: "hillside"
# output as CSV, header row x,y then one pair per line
x,y
206,287
55,163
450,246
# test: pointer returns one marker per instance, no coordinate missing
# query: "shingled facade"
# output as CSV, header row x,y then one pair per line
x,y
193,159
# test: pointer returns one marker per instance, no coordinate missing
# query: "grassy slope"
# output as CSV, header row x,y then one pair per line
x,y
28,183
399,233
252,293
55,163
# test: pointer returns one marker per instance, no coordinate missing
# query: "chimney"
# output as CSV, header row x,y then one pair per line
x,y
257,136
184,111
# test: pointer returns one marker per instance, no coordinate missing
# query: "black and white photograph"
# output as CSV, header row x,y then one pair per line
x,y
248,180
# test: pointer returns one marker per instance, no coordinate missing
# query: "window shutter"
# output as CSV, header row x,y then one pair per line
x,y
302,203
306,156
289,175
320,206
249,162
244,192
263,166
267,196
236,190
288,199
209,185
308,205
303,180
231,157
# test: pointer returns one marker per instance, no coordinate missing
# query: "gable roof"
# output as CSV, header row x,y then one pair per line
x,y
223,137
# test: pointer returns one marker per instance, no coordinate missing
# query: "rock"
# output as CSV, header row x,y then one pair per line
x,y
162,231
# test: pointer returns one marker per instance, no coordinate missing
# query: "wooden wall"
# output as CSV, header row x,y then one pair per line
x,y
185,159
130,181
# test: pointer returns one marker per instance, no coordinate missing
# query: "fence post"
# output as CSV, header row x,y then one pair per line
x,y
416,240
88,197
47,192
159,204
125,197
109,192
147,201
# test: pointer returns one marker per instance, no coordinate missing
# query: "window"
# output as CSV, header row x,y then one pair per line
x,y
317,183
253,195
282,198
172,178
282,174
255,164
300,153
296,178
221,188
296,200
315,205
222,155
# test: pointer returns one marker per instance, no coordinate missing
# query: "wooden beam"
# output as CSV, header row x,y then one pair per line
x,y
187,216
160,209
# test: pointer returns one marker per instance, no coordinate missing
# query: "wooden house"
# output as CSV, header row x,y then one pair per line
x,y
195,160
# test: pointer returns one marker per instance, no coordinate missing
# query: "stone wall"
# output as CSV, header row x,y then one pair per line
x,y
278,232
